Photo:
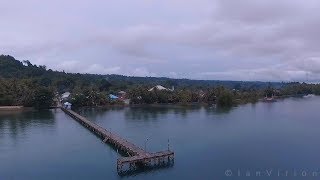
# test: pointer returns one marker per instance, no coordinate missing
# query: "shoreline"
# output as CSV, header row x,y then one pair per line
x,y
11,108
146,105
188,104
18,108
15,108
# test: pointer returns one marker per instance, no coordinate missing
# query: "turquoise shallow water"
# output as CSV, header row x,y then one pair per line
x,y
209,143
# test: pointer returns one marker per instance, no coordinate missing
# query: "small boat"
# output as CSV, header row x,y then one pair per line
x,y
269,99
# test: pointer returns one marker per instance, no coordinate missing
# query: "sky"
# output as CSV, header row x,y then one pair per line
x,y
264,40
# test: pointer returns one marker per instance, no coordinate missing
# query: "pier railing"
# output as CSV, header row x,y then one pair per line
x,y
137,158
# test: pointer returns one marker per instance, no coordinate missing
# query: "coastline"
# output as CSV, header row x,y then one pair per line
x,y
15,108
11,108
237,102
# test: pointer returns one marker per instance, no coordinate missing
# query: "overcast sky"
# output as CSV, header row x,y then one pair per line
x,y
268,40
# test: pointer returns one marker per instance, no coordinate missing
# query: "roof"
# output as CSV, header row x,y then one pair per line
x,y
113,96
122,92
67,104
158,87
65,95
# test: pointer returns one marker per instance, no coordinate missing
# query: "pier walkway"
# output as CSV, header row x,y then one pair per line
x,y
136,157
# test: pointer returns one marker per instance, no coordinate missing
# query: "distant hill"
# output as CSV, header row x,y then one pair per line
x,y
188,83
25,84
12,68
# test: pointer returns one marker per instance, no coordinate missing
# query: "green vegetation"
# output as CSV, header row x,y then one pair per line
x,y
42,98
22,83
225,99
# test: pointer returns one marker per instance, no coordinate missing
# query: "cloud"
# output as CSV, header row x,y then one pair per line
x,y
141,72
98,69
262,74
210,39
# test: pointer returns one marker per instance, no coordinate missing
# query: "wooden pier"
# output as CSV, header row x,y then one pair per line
x,y
136,157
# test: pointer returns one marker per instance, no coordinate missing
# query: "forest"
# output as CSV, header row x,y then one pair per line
x,y
25,84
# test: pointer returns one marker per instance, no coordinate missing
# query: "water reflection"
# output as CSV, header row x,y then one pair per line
x,y
98,112
160,111
218,110
16,123
149,112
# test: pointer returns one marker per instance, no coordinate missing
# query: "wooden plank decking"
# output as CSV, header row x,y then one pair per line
x,y
137,156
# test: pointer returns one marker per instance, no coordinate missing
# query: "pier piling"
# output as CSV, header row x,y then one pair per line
x,y
137,156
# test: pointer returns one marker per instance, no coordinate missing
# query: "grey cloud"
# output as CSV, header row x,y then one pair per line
x,y
252,11
268,39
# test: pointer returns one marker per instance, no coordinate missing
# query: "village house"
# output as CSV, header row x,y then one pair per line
x,y
122,95
67,105
161,88
113,97
65,96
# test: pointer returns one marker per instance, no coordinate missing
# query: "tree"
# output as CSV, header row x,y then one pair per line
x,y
269,91
210,96
43,98
225,99
184,96
104,85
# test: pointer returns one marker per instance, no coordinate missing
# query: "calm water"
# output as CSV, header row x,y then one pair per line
x,y
208,143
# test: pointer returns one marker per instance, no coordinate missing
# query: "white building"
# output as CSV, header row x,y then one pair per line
x,y
67,105
161,88
65,95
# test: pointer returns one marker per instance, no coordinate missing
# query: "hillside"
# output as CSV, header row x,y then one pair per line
x,y
22,83
12,68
